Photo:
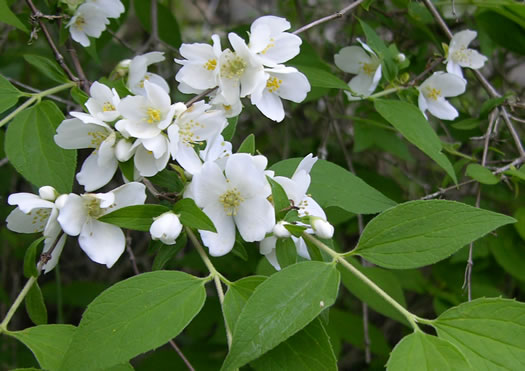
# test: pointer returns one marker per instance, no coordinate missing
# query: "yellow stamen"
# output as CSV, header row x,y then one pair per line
x,y
231,200
433,93
273,84
369,69
270,45
108,107
80,22
211,64
234,66
153,115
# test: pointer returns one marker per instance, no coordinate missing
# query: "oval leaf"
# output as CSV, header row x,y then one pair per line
x,y
281,306
489,331
419,233
136,217
8,93
322,79
481,174
132,317
47,67
35,305
47,342
31,149
192,216
237,295
411,123
334,186
423,352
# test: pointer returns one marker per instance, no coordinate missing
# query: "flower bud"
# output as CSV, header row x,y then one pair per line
x,y
61,201
166,228
322,228
48,193
280,231
122,68
400,58
123,151
179,108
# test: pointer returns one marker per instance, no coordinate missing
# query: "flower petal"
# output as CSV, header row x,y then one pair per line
x,y
351,59
255,217
442,109
73,215
222,242
102,242
94,176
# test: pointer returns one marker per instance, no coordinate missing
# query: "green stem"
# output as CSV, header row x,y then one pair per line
x,y
386,92
19,299
216,278
36,98
411,318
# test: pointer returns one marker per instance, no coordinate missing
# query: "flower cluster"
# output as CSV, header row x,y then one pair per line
x,y
252,70
76,215
91,18
366,65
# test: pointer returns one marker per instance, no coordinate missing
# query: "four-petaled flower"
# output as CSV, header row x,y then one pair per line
x,y
434,90
459,55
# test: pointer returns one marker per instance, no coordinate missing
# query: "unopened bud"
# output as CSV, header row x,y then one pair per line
x,y
280,231
179,108
322,228
123,151
404,77
400,58
123,67
166,227
61,201
48,193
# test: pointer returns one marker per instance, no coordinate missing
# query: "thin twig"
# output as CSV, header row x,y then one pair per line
x,y
84,82
200,96
154,35
60,59
419,77
122,42
336,15
179,352
517,119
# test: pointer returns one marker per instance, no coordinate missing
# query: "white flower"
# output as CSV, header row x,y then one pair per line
x,y
459,55
146,116
166,228
282,82
192,128
85,131
235,197
200,66
231,109
240,72
267,247
38,214
363,62
103,102
321,227
87,21
138,73
433,91
151,154
110,8
271,43
102,242
279,230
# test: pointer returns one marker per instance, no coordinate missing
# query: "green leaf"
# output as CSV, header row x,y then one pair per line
x,y
422,352
296,230
168,179
498,28
467,124
237,295
8,93
79,96
168,27
35,305
286,252
381,277
136,217
489,331
308,350
280,200
333,185
192,216
481,174
48,67
166,252
248,145
411,123
31,149
389,66
281,306
127,168
133,317
490,104
7,16
519,214
229,131
30,259
419,233
47,342
508,251
321,78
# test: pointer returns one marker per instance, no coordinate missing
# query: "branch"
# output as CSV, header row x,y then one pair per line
x,y
37,15
84,82
336,15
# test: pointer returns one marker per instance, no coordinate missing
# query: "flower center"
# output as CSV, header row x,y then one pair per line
x,y
234,66
93,206
152,115
369,69
460,55
231,200
187,132
108,107
80,22
273,84
39,216
140,84
433,93
211,64
97,137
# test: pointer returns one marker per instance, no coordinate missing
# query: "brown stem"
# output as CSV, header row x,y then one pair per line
x,y
84,82
336,15
60,59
